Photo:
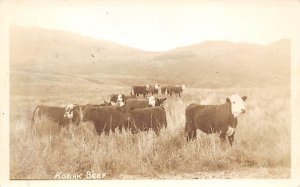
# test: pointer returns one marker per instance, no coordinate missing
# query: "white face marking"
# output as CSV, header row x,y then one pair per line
x,y
119,98
147,86
183,86
121,103
156,86
237,105
152,101
230,131
69,111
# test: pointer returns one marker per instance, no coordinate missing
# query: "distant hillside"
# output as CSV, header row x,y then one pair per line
x,y
211,64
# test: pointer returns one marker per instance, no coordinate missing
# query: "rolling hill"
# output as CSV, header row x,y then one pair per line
x,y
211,64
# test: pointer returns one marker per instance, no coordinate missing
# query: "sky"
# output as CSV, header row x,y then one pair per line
x,y
157,26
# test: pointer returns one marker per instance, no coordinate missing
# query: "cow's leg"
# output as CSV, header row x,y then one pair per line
x,y
223,136
231,139
179,94
191,131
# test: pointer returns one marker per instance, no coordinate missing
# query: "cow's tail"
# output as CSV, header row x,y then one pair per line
x,y
132,90
32,119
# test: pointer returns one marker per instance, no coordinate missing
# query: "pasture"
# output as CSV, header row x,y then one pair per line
x,y
261,148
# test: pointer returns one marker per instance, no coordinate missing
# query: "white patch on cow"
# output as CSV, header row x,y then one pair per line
x,y
152,101
69,111
121,103
183,86
230,131
147,86
132,91
120,99
156,86
237,105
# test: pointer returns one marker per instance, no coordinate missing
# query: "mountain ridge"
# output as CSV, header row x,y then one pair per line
x,y
209,64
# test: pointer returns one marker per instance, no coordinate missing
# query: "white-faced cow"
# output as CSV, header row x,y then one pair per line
x,y
61,115
143,119
117,98
152,101
215,118
152,89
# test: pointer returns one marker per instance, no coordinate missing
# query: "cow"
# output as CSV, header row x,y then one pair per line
x,y
164,90
61,115
215,118
116,98
137,90
175,89
152,89
106,118
143,103
143,119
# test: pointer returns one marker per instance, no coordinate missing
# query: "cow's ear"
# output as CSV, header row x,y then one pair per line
x,y
164,99
244,98
227,100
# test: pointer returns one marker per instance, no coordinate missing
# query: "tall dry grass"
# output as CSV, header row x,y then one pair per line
x,y
40,151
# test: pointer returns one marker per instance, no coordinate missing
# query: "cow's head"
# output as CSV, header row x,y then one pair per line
x,y
120,98
152,101
113,98
237,104
160,101
69,111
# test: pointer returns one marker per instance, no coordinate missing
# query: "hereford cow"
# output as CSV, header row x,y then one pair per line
x,y
143,103
152,89
215,118
61,115
116,98
165,90
175,89
143,119
137,90
106,118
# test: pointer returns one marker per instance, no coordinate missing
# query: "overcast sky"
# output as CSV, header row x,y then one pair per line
x,y
156,26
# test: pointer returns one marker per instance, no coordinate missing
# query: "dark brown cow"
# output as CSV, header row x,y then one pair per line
x,y
165,90
137,90
175,89
143,119
215,118
61,115
106,118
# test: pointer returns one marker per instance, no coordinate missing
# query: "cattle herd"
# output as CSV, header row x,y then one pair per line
x,y
134,113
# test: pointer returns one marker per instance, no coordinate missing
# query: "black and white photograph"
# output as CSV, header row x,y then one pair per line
x,y
150,90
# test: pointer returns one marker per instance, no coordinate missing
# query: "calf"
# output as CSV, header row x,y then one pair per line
x,y
215,118
106,118
143,119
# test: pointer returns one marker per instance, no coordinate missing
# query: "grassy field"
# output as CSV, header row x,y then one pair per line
x,y
261,148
